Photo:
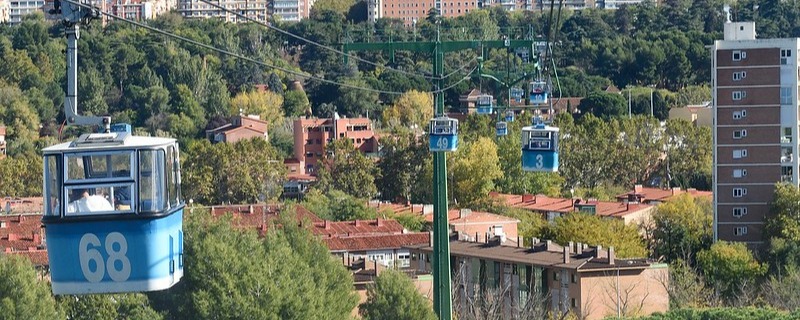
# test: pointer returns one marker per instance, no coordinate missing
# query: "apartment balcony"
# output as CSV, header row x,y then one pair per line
x,y
787,158
786,178
786,140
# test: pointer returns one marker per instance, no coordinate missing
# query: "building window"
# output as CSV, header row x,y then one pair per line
x,y
738,212
739,114
786,95
739,95
739,75
309,154
739,231
738,154
739,192
556,275
574,303
574,279
738,134
739,173
785,55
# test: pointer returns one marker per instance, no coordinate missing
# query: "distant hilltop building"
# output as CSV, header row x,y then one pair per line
x,y
312,134
755,132
259,10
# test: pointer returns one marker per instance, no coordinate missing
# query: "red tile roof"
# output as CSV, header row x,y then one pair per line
x,y
297,176
542,203
399,208
357,228
377,242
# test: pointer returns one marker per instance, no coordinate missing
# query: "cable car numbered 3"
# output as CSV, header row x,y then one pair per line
x,y
443,134
113,214
540,148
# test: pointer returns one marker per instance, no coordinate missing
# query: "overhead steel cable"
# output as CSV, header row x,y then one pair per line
x,y
270,26
233,54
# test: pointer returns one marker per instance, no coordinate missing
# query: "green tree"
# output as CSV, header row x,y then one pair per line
x,y
413,109
729,266
393,296
682,227
108,306
268,105
246,171
603,105
594,230
22,294
689,154
401,166
474,169
785,223
345,168
295,103
289,274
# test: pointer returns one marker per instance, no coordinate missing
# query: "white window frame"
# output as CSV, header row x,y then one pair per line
x,y
737,115
738,212
739,231
738,95
738,134
738,55
739,173
739,153
739,192
739,75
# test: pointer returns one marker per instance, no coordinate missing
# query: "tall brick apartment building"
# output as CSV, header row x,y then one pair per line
x,y
311,136
755,107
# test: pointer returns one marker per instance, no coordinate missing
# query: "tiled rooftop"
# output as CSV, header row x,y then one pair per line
x,y
542,203
464,216
16,205
357,228
545,254
377,242
259,216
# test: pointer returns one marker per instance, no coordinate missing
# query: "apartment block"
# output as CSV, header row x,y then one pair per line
x,y
311,136
17,9
291,10
755,132
141,9
255,9
629,212
411,11
585,280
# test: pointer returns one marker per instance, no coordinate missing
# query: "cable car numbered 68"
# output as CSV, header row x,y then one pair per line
x,y
113,214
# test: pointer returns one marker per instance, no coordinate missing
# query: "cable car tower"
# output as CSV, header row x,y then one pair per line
x,y
113,211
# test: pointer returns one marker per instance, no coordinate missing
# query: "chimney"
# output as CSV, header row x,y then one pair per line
x,y
566,254
356,223
611,256
528,198
676,190
597,251
378,222
463,213
327,226
430,238
638,188
519,242
346,259
250,209
37,239
476,237
3,224
13,237
579,248
569,247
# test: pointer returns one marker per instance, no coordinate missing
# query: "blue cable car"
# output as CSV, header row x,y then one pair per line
x,y
501,128
113,214
540,148
538,92
443,134
517,94
484,104
510,116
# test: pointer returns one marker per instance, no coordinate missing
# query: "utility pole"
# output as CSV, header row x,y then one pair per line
x,y
442,301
